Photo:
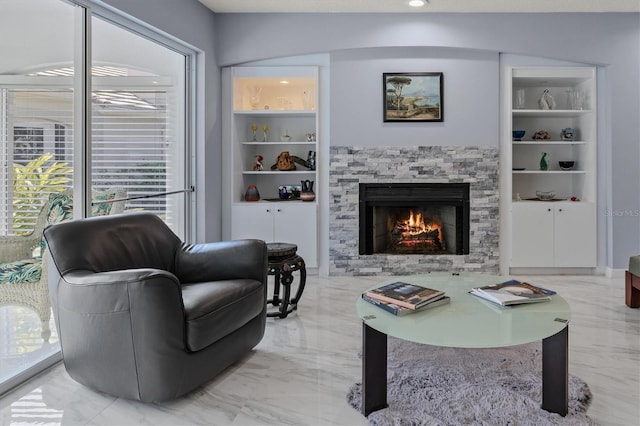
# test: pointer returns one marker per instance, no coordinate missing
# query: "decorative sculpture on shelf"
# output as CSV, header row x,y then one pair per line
x,y
257,166
543,162
546,101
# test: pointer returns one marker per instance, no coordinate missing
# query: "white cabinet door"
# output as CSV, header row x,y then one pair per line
x,y
561,235
575,235
532,235
252,221
286,222
296,223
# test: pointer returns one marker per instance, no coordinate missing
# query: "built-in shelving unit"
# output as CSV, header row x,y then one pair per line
x,y
284,101
560,233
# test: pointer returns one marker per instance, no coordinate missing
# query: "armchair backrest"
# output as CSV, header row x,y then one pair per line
x,y
111,243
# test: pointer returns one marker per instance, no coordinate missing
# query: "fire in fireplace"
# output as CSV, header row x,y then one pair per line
x,y
416,233
414,218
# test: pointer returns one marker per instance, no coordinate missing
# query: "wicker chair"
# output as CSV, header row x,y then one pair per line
x,y
20,256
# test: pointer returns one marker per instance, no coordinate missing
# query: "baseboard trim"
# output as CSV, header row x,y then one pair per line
x,y
554,271
614,272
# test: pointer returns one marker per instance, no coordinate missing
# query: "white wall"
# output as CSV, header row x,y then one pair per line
x,y
610,40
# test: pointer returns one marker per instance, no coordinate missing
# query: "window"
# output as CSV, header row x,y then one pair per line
x,y
137,138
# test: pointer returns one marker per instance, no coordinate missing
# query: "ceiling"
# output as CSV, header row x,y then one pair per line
x,y
401,6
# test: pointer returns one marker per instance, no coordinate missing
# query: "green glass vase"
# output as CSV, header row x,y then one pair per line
x,y
543,162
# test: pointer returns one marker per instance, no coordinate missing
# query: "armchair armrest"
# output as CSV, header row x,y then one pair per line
x,y
88,292
18,247
121,327
222,261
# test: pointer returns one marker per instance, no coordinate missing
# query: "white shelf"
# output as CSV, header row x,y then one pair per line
x,y
279,172
548,142
279,143
276,112
548,172
550,112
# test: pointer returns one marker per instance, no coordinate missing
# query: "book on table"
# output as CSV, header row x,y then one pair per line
x,y
400,311
512,292
404,294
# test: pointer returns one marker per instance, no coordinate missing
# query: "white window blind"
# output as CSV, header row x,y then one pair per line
x,y
36,126
131,148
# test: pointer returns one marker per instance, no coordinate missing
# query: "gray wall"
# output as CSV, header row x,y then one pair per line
x,y
611,41
470,97
193,23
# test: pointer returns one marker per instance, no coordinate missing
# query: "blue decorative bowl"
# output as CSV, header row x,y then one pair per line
x,y
518,134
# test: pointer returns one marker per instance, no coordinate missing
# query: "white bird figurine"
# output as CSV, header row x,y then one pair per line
x,y
546,101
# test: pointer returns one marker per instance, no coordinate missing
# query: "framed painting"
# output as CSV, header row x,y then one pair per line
x,y
413,96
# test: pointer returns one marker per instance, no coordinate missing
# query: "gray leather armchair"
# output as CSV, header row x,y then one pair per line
x,y
142,315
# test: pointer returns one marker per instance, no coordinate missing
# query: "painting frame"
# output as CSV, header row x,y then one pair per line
x,y
423,103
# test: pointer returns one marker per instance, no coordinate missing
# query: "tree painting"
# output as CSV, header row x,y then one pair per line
x,y
413,96
398,83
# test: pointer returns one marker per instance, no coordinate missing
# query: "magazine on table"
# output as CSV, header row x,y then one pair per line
x,y
401,310
404,294
513,292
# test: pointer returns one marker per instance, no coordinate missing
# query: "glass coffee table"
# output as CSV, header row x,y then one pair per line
x,y
467,322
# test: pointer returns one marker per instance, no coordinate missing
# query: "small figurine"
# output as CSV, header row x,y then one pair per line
x,y
257,166
546,101
541,135
567,134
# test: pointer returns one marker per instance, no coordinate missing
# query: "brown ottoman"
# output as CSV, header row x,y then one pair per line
x,y
632,283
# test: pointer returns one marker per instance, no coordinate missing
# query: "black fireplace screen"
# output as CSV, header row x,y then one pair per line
x,y
414,218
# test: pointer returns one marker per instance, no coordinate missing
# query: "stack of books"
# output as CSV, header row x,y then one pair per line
x,y
513,292
401,298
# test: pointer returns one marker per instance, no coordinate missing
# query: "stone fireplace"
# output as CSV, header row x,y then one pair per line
x,y
448,220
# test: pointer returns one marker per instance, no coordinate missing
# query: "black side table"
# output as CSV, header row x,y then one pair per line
x,y
283,261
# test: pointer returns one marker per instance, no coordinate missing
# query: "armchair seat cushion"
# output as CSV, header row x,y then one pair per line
x,y
217,308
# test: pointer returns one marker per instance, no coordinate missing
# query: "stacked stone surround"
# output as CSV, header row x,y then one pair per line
x,y
350,166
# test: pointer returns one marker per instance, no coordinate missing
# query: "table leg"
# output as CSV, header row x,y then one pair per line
x,y
276,288
374,370
555,374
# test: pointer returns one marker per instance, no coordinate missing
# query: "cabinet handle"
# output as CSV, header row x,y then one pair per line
x,y
559,210
548,210
279,210
268,210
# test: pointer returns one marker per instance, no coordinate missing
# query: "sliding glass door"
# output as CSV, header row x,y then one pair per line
x,y
94,115
36,127
138,115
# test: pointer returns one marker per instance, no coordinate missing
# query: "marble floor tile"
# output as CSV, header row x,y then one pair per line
x,y
300,372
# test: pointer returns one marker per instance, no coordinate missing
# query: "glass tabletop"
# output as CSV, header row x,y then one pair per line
x,y
468,321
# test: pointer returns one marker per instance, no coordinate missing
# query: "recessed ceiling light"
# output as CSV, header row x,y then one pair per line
x,y
416,3
284,82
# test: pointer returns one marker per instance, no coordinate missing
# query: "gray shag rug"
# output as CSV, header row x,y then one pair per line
x,y
429,385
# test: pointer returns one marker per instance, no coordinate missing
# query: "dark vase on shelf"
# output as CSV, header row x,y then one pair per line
x,y
306,192
252,194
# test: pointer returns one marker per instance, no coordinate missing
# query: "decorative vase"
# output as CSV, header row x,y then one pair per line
x,y
254,96
543,162
306,191
252,194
